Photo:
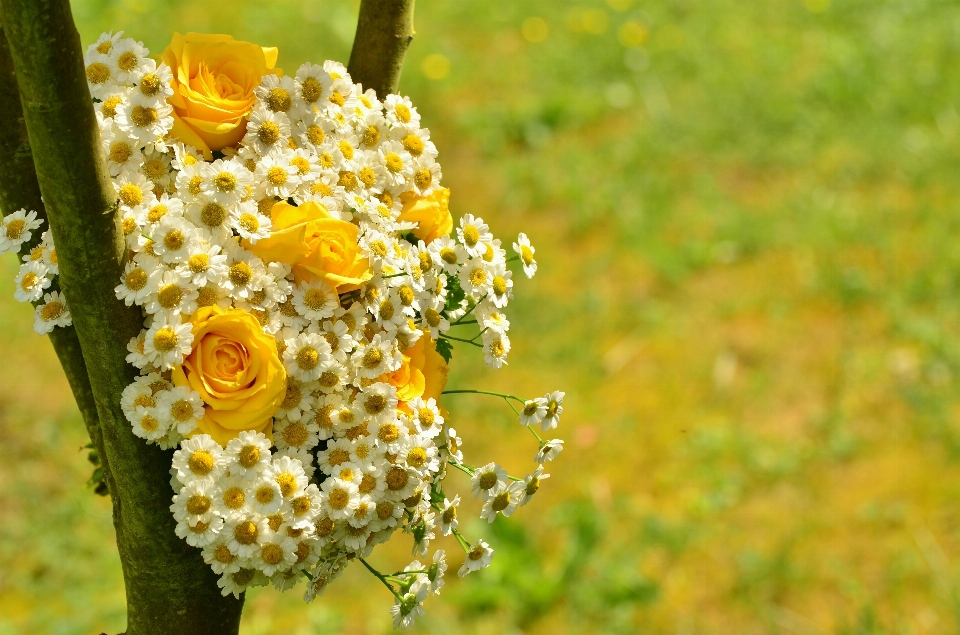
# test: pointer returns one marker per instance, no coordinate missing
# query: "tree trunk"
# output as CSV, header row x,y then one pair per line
x,y
51,145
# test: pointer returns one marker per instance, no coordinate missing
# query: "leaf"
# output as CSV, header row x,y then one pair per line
x,y
445,348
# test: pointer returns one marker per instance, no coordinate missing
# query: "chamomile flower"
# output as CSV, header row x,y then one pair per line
x,y
526,251
173,238
313,85
495,348
167,343
502,499
101,74
554,410
420,453
485,479
220,558
288,474
267,130
266,498
276,93
16,229
432,318
236,582
182,406
153,84
248,454
448,515
200,533
305,356
396,161
426,416
315,300
426,176
250,224
225,181
245,274
133,189
533,411
448,254
145,120
549,450
299,435
278,554
476,278
375,358
531,484
243,533
51,313
195,502
501,286
31,280
478,557
148,423
199,458
126,56
400,111
378,402
174,296
203,263
473,233
340,498
275,176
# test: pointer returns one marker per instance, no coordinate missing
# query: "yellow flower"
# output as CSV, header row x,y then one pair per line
x,y
318,246
431,212
235,367
213,81
423,372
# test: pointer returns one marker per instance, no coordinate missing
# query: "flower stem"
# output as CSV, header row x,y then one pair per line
x,y
461,339
471,310
380,577
483,392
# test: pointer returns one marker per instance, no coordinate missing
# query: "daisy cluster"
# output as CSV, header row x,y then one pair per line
x,y
38,271
347,457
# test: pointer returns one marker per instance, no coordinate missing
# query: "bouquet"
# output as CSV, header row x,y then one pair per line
x,y
303,285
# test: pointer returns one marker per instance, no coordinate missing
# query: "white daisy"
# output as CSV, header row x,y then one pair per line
x,y
554,409
16,229
533,411
305,356
485,479
448,515
52,313
199,458
478,557
526,252
225,181
183,406
31,280
166,343
549,450
531,484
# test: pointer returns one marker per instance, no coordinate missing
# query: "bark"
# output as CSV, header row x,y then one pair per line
x,y
384,31
19,189
169,587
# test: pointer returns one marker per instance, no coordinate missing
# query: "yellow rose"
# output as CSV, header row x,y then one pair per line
x,y
213,81
423,372
318,246
235,367
431,212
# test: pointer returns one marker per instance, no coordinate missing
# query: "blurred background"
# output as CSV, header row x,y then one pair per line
x,y
748,289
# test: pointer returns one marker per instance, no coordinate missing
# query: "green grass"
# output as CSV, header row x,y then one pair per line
x,y
748,288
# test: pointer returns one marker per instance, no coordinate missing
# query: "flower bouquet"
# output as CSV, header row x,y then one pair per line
x,y
302,284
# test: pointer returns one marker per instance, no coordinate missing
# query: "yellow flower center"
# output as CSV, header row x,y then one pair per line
x,y
497,349
307,358
287,483
225,181
174,239
149,423
249,223
422,178
198,504
315,134
207,296
104,47
295,434
476,553
127,61
271,553
109,107
143,116
471,236
165,340
248,456
194,185
213,215
526,255
302,165
311,89
198,263
406,295
170,296
201,463
337,98
182,410
346,149
120,152
402,112
28,280
150,84
371,136
499,285
277,176
338,457
243,577
268,133
130,194
98,73
417,457
397,478
413,144
449,515
246,532
374,404
223,555
338,498
393,162
488,480
348,180
478,276
265,494
278,100
326,160
388,432
367,176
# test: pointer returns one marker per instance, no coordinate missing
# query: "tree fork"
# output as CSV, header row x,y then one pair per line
x,y
168,586
384,31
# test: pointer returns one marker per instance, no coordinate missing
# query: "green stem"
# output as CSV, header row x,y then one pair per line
x,y
464,323
380,577
471,310
464,543
461,339
483,392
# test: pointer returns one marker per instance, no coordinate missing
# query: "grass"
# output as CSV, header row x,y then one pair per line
x,y
748,288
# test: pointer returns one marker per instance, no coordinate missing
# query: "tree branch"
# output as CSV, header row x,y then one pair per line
x,y
169,587
384,31
19,189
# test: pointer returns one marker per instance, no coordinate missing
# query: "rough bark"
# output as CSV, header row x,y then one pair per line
x,y
169,587
19,189
384,31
